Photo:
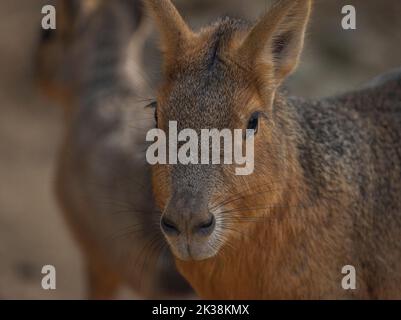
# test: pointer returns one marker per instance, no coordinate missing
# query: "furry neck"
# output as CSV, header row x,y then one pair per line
x,y
255,264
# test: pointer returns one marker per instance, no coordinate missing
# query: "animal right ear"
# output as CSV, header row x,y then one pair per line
x,y
74,10
75,7
277,39
175,33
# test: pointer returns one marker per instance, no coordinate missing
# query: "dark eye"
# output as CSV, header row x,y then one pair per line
x,y
156,122
153,105
253,122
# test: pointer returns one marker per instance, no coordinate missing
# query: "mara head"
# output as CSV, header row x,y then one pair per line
x,y
54,49
69,55
224,77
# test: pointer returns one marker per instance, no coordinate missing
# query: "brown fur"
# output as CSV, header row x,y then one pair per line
x,y
326,187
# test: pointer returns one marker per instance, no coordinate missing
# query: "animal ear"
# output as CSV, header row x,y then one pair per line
x,y
175,33
76,7
73,10
277,39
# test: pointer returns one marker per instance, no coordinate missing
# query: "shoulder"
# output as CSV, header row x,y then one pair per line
x,y
393,76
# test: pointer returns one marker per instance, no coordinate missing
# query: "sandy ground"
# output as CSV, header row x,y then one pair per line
x,y
32,231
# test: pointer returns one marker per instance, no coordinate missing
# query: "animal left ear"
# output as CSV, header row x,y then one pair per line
x,y
175,33
277,39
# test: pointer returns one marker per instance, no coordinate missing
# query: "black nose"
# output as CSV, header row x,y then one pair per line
x,y
195,226
205,227
169,227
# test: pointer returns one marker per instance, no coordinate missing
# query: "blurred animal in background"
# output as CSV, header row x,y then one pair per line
x,y
91,64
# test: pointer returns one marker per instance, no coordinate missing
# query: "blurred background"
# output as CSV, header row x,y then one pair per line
x,y
32,230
